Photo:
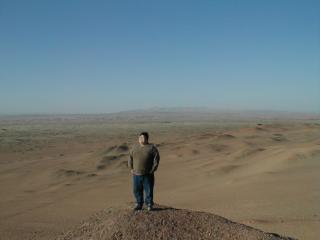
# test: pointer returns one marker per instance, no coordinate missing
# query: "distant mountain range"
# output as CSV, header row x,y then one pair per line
x,y
162,114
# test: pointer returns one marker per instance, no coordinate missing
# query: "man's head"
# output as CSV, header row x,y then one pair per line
x,y
143,138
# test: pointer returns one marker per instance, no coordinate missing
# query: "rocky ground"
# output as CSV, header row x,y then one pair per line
x,y
162,223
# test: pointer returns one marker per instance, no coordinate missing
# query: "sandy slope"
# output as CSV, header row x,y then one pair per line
x,y
54,175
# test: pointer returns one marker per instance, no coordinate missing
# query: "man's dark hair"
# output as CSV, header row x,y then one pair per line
x,y
145,134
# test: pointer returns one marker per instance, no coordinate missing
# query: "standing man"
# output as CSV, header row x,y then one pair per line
x,y
143,161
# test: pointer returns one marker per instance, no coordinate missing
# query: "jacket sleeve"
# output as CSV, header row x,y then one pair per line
x,y
130,159
156,160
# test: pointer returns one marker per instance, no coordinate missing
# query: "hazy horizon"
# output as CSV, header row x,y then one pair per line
x,y
94,57
177,110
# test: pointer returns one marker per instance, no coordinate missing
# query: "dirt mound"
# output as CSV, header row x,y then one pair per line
x,y
68,172
122,148
225,136
218,147
163,223
109,159
250,152
278,137
195,151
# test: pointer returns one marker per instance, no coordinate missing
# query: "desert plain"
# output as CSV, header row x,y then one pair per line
x,y
259,170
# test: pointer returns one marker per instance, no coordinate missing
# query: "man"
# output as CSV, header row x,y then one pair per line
x,y
143,161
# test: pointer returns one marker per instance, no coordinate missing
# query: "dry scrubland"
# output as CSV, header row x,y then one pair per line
x,y
58,171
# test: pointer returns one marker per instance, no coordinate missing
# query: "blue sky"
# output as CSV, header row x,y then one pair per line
x,y
80,56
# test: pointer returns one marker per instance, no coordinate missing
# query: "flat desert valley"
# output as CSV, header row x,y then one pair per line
x,y
264,172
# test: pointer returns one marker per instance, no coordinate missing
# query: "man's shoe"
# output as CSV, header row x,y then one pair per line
x,y
137,207
150,208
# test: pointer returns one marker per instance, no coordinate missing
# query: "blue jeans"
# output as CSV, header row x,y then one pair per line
x,y
146,183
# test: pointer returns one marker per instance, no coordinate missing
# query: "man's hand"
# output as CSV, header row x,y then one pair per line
x,y
131,171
